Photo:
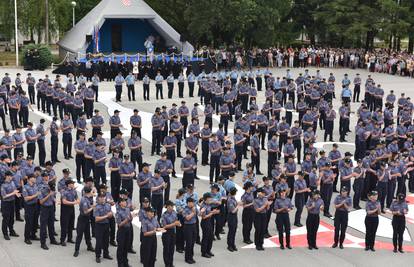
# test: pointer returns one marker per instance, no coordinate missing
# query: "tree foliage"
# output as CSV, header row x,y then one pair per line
x,y
341,23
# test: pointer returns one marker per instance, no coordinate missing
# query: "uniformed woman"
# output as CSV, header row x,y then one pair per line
x,y
123,219
398,208
301,188
232,210
314,205
248,211
150,227
282,207
207,213
169,221
342,204
373,208
179,206
141,216
260,204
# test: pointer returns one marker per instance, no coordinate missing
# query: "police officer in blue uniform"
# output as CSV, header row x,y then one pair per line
x,y
69,198
86,207
282,207
399,209
373,208
123,218
30,194
102,213
165,167
9,193
190,213
343,203
169,221
314,206
301,188
127,173
143,181
261,205
232,211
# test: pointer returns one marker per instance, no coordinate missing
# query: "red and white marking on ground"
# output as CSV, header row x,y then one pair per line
x,y
325,239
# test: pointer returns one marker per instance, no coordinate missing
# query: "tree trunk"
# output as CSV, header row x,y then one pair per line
x,y
410,42
47,21
398,47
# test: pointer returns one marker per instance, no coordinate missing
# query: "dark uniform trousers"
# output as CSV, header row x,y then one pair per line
x,y
371,226
83,228
329,125
232,224
180,89
247,221
7,210
190,238
168,242
166,179
191,89
102,239
340,223
149,249
171,156
67,144
89,167
398,226
67,222
47,221
156,141
207,238
170,89
131,92
260,228
357,186
204,150
115,185
390,193
188,178
312,225
382,188
157,202
127,184
158,91
283,226
123,237
136,159
299,203
326,195
179,242
214,167
31,149
30,220
99,174
146,91
118,89
144,193
54,147
80,167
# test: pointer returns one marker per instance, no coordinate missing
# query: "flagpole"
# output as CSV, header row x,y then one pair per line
x,y
16,33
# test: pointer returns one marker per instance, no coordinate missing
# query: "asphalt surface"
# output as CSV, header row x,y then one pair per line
x,y
17,253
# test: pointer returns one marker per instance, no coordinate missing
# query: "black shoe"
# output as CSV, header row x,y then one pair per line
x,y
282,247
234,248
14,234
7,237
315,247
296,224
132,251
401,250
222,232
218,237
19,219
288,247
259,173
267,235
366,248
175,176
259,248
198,242
372,249
108,257
197,178
341,246
310,247
180,251
395,250
35,238
230,249
189,261
76,253
71,241
334,245
205,255
357,208
113,243
27,241
54,242
57,161
327,215
63,243
248,242
90,248
44,246
98,260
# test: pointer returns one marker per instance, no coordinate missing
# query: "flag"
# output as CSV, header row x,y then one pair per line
x,y
126,2
96,38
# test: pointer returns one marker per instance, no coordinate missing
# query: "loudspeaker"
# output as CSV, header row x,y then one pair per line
x,y
88,38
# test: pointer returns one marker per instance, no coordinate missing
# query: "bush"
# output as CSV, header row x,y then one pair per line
x,y
36,60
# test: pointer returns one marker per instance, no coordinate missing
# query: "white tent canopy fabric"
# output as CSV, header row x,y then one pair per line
x,y
111,9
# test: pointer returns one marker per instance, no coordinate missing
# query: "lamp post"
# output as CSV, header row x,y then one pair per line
x,y
16,33
73,3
